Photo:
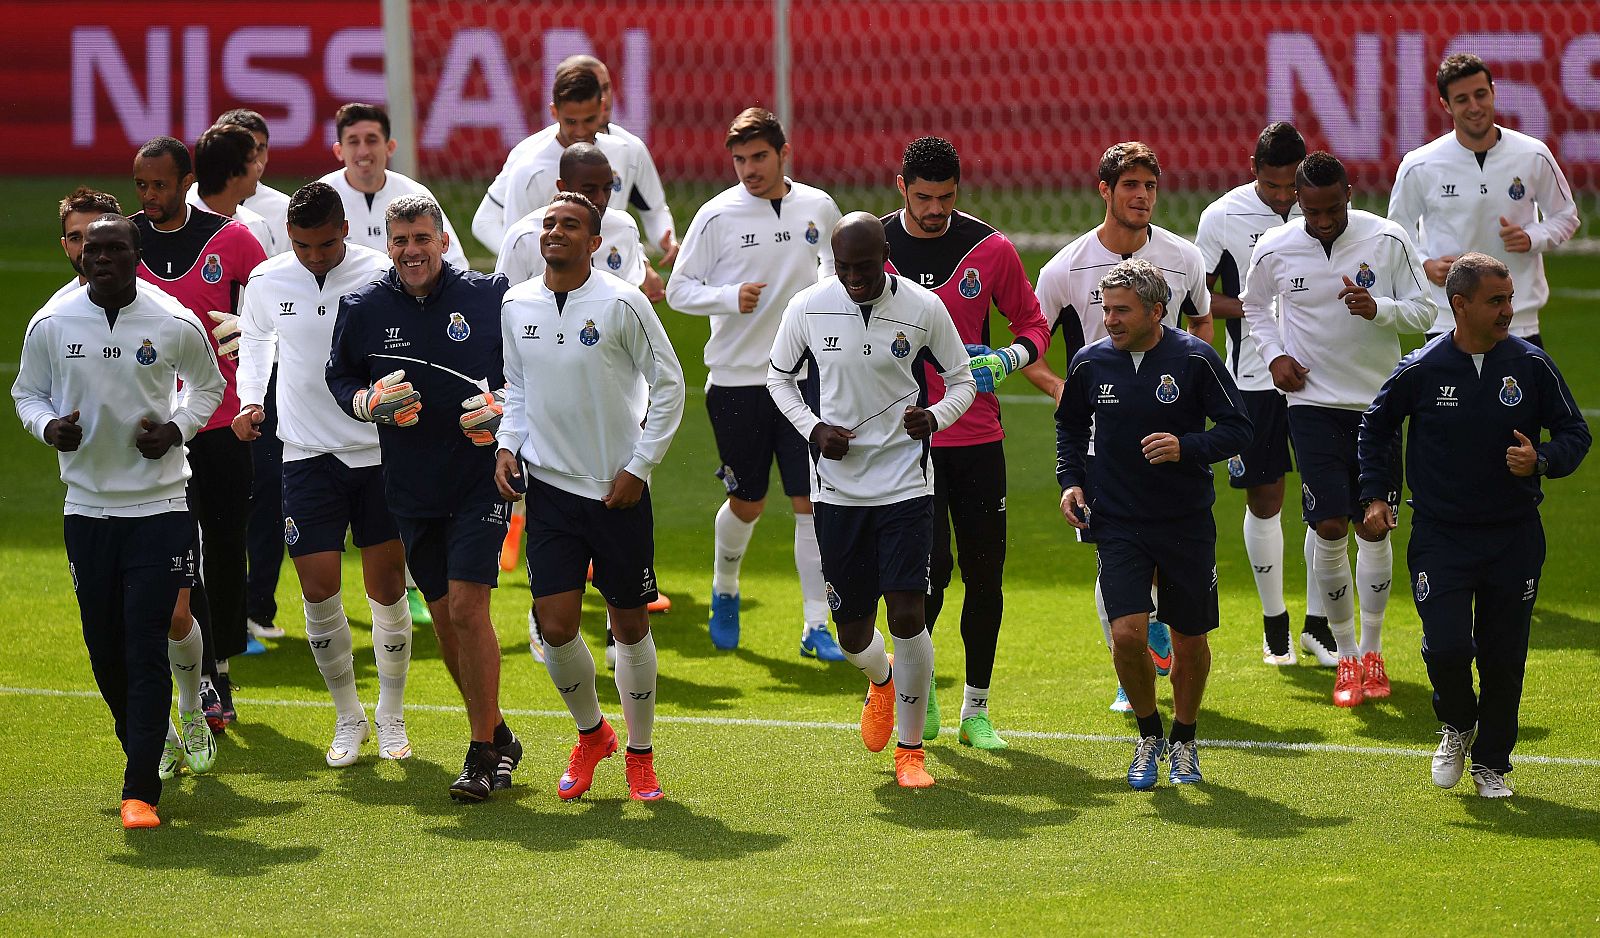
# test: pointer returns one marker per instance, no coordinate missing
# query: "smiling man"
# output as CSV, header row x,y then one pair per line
x,y
1476,400
418,354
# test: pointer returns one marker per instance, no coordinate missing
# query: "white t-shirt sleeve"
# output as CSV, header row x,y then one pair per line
x,y
960,389
1554,196
1260,291
31,391
258,343
789,349
1412,309
202,380
511,432
689,290
658,363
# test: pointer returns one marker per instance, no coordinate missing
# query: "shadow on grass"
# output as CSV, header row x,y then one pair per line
x,y
1217,725
1553,628
1522,816
192,835
1217,807
968,794
807,676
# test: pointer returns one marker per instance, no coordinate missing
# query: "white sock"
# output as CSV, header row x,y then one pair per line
x,y
1263,544
974,701
808,563
914,674
328,631
733,537
872,660
636,686
1374,573
1100,609
222,666
571,667
172,732
184,657
1314,606
391,648
1332,564
411,584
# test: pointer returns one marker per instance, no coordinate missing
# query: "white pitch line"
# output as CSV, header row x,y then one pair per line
x,y
1269,745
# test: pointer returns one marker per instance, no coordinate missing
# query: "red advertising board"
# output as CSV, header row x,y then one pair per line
x,y
1031,92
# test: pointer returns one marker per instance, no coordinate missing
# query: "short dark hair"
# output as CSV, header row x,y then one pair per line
x,y
355,112
932,158
1467,272
582,154
221,153
85,199
315,204
756,123
1121,157
582,202
1320,168
1459,66
574,84
246,118
122,221
411,208
157,147
1280,145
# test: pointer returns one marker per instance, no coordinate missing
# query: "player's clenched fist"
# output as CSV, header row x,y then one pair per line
x,y
482,418
391,401
833,441
749,296
920,423
64,433
1161,447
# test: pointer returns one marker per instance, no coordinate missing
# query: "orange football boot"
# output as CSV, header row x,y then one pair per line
x,y
640,767
591,748
1347,683
1374,677
877,714
909,769
137,814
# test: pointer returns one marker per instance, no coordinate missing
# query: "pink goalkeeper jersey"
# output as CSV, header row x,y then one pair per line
x,y
970,267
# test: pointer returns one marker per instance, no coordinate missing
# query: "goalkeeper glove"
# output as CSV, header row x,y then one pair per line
x,y
482,418
391,401
991,366
226,332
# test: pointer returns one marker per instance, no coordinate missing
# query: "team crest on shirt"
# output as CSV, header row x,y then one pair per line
x,y
1236,466
1510,393
811,232
291,533
1517,190
1307,500
1422,589
590,335
834,602
901,346
146,355
971,286
614,259
1167,390
1365,278
212,271
459,329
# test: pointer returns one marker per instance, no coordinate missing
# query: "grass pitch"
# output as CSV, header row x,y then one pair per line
x,y
777,821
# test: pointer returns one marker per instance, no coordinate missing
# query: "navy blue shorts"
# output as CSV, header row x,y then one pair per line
x,y
1330,476
463,546
1181,557
871,550
1266,459
751,432
322,497
567,532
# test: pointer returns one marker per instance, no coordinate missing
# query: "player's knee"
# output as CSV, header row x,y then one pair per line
x,y
746,511
802,504
1333,529
180,627
1191,649
1129,634
629,625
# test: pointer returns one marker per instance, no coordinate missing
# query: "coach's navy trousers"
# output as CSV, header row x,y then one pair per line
x,y
1474,586
127,572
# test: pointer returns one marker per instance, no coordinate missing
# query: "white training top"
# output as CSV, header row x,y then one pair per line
x,y
531,182
620,254
249,218
737,238
272,205
286,312
868,361
1349,357
73,359
1070,281
1229,228
489,222
1460,203
646,183
62,291
576,376
365,212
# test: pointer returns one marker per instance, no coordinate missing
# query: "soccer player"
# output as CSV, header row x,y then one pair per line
x,y
267,202
867,332
971,267
1476,399
580,348
1069,297
748,252
1483,187
81,207
1146,392
1346,285
586,171
333,470
203,261
89,390
226,173
406,350
1229,228
368,185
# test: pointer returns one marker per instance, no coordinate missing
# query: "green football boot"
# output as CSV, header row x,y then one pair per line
x,y
978,732
199,746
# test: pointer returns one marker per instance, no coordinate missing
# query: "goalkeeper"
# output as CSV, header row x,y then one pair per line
x,y
971,266
418,354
